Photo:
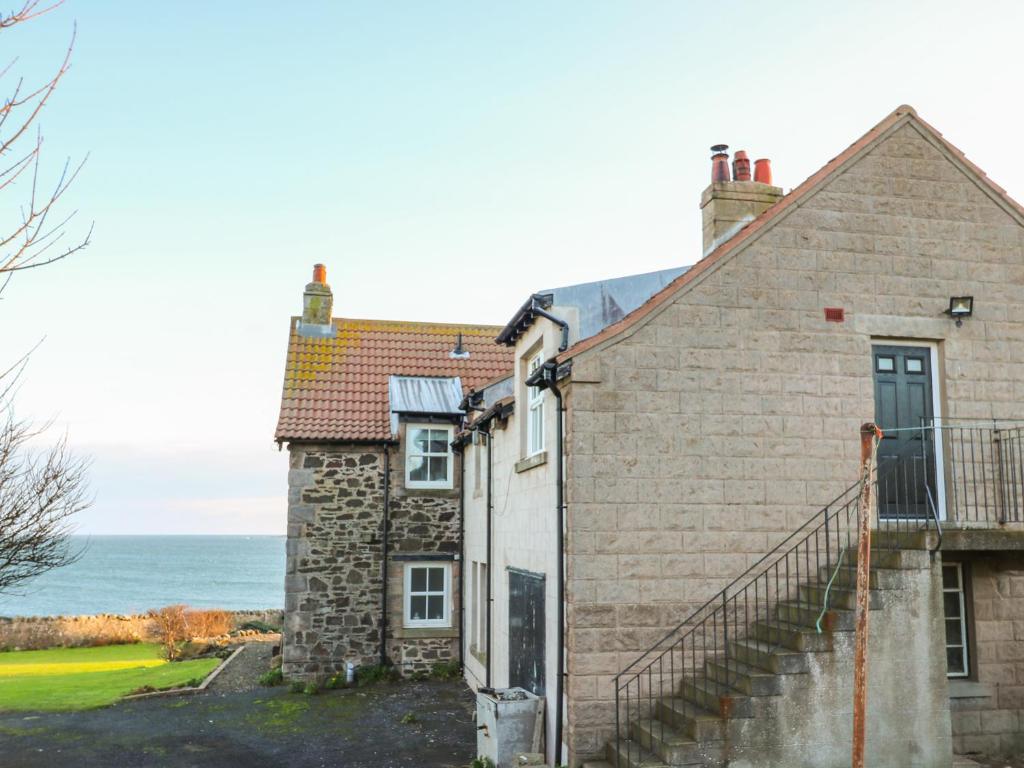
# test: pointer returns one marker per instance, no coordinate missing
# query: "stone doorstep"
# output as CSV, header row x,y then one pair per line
x,y
959,761
191,689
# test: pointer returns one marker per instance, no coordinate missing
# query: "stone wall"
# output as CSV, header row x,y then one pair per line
x,y
333,586
334,550
729,416
988,708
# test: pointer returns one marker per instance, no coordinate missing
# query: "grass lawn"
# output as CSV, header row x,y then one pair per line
x,y
82,678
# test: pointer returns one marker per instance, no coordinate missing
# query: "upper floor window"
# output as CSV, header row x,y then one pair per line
x,y
428,456
535,411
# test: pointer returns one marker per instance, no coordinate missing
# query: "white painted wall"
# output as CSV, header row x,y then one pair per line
x,y
525,521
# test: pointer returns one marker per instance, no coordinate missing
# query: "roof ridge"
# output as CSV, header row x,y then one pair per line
x,y
751,230
436,324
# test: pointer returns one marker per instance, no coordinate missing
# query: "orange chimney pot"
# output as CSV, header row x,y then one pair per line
x,y
763,171
740,166
320,274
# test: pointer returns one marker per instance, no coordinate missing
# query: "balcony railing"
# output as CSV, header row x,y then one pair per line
x,y
981,468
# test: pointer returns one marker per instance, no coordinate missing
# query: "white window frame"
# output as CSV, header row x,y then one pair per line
x,y
411,453
959,591
407,619
534,411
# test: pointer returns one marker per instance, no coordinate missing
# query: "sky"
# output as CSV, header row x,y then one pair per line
x,y
444,160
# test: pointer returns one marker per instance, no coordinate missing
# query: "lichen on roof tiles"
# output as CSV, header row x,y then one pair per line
x,y
337,388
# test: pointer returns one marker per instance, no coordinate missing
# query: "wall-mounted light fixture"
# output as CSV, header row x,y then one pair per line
x,y
960,307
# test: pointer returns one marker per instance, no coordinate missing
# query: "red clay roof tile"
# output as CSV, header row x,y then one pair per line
x,y
337,388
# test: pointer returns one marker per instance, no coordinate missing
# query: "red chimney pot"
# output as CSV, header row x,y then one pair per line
x,y
320,274
720,163
741,166
763,170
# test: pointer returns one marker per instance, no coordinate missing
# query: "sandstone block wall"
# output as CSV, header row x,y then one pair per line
x,y
988,709
732,415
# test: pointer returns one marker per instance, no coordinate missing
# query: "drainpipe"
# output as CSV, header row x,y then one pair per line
x,y
462,557
560,507
490,570
384,565
546,378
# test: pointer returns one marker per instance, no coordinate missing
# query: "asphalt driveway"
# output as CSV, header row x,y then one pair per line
x,y
253,727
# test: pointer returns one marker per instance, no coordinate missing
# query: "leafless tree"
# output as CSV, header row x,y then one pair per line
x,y
40,493
38,236
40,490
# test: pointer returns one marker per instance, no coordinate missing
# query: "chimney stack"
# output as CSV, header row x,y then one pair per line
x,y
317,299
729,204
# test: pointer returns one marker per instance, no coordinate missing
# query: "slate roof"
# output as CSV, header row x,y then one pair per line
x,y
337,388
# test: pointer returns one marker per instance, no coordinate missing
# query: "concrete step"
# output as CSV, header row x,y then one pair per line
x,y
894,536
769,656
878,578
693,721
807,614
896,559
792,636
722,700
843,598
626,753
744,677
671,745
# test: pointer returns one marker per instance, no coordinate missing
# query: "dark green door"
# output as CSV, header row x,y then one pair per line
x,y
526,629
906,457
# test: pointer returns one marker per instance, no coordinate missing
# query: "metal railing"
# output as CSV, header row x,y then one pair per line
x,y
983,469
698,663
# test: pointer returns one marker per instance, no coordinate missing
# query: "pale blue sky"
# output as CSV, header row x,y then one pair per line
x,y
443,159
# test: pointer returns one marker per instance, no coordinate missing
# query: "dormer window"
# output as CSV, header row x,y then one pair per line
x,y
535,411
428,456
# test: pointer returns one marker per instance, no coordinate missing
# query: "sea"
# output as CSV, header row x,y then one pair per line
x,y
131,574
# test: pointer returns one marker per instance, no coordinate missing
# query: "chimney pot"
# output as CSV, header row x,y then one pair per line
x,y
720,163
317,299
741,166
763,170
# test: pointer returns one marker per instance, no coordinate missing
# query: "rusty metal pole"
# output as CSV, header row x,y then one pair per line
x,y
868,433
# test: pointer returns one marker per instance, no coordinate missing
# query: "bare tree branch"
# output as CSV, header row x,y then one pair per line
x,y
41,490
40,493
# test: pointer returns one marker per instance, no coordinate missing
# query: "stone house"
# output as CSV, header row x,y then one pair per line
x,y
660,529
369,411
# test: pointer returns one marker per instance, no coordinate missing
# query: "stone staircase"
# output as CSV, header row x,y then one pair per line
x,y
781,695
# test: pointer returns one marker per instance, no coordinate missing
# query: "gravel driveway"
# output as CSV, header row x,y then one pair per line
x,y
238,723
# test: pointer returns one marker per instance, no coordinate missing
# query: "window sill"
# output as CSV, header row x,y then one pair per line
x,y
532,461
968,689
414,633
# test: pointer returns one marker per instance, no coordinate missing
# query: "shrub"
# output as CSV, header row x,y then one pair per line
x,y
482,762
336,681
297,687
311,689
172,628
272,677
377,673
207,623
446,670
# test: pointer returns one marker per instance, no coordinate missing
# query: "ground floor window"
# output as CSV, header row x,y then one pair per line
x,y
955,605
427,595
